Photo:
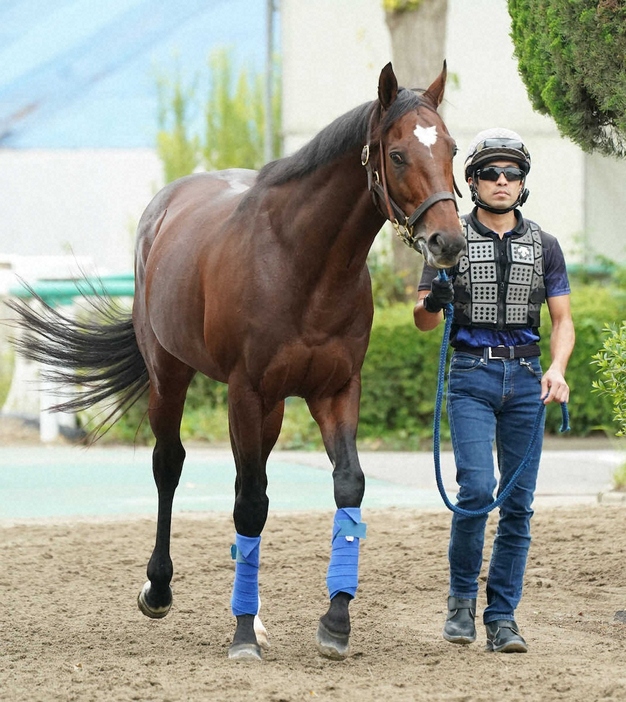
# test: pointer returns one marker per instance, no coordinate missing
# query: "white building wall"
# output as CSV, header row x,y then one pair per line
x,y
83,203
605,208
332,55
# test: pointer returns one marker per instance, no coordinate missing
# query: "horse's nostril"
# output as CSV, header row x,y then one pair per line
x,y
436,243
449,246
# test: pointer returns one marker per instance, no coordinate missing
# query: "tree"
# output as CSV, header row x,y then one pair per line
x,y
418,32
234,120
178,150
571,57
418,35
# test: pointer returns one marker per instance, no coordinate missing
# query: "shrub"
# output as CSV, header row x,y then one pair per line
x,y
611,361
593,306
399,380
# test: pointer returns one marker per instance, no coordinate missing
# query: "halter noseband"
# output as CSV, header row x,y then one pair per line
x,y
377,185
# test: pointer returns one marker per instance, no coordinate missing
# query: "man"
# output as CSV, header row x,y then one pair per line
x,y
495,381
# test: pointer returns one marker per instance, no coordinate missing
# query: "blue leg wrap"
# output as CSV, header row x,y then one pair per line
x,y
343,569
245,552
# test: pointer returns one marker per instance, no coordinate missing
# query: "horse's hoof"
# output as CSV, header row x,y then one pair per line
x,y
334,646
261,633
245,652
152,612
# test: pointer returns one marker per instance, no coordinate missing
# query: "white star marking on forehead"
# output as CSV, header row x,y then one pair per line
x,y
426,135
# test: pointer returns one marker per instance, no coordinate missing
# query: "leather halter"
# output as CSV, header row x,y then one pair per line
x,y
377,185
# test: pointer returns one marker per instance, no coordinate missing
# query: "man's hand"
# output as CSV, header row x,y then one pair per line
x,y
441,293
554,388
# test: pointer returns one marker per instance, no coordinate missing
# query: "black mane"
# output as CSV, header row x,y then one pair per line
x,y
343,134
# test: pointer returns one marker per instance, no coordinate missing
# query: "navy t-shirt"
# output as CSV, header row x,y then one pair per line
x,y
555,280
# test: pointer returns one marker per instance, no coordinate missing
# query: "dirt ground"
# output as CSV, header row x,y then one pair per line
x,y
70,628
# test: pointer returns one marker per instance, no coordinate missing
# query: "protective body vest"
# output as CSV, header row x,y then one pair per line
x,y
499,283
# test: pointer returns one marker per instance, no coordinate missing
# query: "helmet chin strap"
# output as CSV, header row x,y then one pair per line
x,y
521,199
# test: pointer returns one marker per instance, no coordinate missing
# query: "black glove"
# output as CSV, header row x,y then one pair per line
x,y
441,293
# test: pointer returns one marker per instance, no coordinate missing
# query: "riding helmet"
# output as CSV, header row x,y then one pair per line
x,y
494,144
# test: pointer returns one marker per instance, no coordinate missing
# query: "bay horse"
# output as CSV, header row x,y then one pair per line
x,y
259,280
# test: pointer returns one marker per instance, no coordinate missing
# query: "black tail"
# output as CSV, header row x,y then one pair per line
x,y
103,357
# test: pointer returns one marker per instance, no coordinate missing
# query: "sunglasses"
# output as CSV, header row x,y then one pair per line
x,y
494,172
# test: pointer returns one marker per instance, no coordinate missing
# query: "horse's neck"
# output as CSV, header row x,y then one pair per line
x,y
330,217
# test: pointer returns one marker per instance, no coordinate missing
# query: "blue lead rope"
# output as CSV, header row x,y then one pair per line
x,y
448,311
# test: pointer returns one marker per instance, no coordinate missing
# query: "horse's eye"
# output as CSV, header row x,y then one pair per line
x,y
455,151
396,158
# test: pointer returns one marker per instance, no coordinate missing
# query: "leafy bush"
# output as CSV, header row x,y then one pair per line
x,y
399,380
593,306
571,59
234,120
611,362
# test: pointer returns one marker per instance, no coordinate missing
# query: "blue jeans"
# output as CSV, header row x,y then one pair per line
x,y
493,401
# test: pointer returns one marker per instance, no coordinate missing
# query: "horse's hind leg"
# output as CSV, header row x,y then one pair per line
x,y
167,401
253,432
337,418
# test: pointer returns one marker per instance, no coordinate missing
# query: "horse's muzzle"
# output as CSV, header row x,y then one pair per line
x,y
443,249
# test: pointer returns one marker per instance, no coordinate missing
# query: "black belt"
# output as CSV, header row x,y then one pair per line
x,y
502,351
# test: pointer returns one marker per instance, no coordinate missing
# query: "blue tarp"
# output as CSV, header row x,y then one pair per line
x,y
79,73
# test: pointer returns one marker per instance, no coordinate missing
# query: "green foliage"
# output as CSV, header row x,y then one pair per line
x,y
619,478
400,370
611,362
178,150
6,373
571,59
593,306
401,5
388,286
234,120
399,380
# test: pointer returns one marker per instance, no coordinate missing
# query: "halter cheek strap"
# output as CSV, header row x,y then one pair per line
x,y
428,202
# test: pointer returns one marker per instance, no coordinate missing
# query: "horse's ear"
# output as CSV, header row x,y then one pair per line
x,y
435,91
387,87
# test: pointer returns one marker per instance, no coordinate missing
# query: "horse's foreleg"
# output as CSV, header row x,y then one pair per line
x,y
155,599
253,434
337,418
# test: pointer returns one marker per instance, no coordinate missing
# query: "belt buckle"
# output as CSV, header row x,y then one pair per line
x,y
501,346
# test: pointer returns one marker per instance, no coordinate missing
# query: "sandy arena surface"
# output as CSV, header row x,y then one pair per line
x,y
70,628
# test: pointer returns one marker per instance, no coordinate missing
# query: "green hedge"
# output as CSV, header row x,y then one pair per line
x,y
399,383
400,370
399,379
593,306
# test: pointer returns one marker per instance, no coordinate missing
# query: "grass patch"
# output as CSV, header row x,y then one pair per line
x,y
619,478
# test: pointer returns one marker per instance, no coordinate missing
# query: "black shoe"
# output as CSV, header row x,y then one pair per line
x,y
503,637
459,627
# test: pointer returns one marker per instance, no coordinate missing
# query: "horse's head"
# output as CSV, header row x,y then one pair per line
x,y
410,172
